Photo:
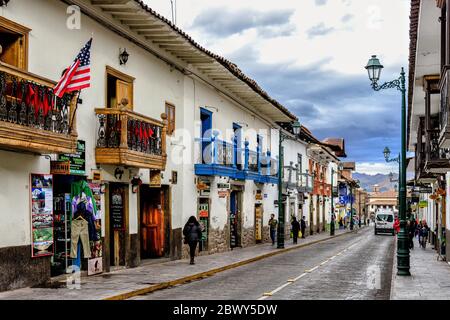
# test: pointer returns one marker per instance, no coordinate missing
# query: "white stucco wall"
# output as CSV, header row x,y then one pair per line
x,y
156,83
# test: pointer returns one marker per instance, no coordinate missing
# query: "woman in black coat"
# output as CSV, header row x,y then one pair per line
x,y
192,235
295,229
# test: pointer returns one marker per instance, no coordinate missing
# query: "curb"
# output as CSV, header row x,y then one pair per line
x,y
394,268
165,285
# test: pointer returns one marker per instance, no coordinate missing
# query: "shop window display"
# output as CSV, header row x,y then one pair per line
x,y
67,226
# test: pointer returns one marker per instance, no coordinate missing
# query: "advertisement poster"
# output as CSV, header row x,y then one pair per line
x,y
96,262
42,215
117,209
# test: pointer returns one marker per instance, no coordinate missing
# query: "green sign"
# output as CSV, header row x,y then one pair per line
x,y
77,160
423,204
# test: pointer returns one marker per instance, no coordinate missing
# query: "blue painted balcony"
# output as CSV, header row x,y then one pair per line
x,y
222,158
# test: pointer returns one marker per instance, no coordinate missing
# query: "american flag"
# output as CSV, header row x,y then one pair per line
x,y
78,76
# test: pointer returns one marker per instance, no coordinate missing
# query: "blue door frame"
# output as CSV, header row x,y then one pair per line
x,y
206,119
237,145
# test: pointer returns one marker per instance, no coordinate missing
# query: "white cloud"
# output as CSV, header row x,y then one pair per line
x,y
375,168
377,27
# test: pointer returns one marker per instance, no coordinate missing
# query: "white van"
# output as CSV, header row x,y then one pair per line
x,y
384,222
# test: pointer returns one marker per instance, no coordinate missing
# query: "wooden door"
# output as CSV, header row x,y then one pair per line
x,y
124,90
152,228
258,223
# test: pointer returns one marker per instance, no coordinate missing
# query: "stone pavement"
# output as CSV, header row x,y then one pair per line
x,y
126,283
430,278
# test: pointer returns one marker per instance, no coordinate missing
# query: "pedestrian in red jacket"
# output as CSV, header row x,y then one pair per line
x,y
397,225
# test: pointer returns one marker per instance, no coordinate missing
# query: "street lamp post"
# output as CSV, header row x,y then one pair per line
x,y
374,68
387,157
280,232
351,206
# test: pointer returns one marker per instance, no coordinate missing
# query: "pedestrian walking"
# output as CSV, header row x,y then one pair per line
x,y
418,231
295,229
410,229
341,224
303,226
273,227
332,224
424,235
397,225
192,234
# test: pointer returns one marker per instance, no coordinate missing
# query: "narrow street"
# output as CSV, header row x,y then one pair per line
x,y
334,269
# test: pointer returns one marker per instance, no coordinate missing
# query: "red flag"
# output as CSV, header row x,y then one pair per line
x,y
46,104
30,94
150,132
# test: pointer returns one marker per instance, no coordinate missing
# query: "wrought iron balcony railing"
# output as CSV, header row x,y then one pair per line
x,y
219,157
129,138
32,118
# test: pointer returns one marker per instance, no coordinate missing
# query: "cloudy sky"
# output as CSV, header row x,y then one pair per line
x,y
309,55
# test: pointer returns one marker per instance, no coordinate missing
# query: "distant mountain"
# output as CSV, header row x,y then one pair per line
x,y
368,181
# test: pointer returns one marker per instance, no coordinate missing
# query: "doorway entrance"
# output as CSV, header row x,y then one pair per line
x,y
235,218
154,222
258,222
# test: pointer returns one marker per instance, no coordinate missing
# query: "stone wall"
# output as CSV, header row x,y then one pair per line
x,y
218,241
18,269
248,237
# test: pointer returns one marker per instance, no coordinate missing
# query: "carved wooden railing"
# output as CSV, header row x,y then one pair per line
x,y
32,118
129,138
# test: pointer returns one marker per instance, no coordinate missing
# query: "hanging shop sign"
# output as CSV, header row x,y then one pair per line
x,y
203,210
223,193
96,176
42,215
425,190
259,195
155,179
423,204
117,209
203,184
223,186
77,160
60,167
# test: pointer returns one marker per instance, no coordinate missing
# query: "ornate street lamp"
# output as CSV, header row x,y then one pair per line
x,y
374,68
296,127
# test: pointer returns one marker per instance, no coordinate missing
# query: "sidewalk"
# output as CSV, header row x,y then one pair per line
x,y
430,278
127,283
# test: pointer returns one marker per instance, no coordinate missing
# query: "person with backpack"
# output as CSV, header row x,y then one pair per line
x,y
192,235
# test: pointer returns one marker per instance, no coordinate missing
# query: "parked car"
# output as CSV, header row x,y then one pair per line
x,y
384,222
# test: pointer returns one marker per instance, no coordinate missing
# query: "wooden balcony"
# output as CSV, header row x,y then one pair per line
x,y
444,134
30,120
127,138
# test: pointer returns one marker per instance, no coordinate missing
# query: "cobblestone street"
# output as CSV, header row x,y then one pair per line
x,y
341,268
